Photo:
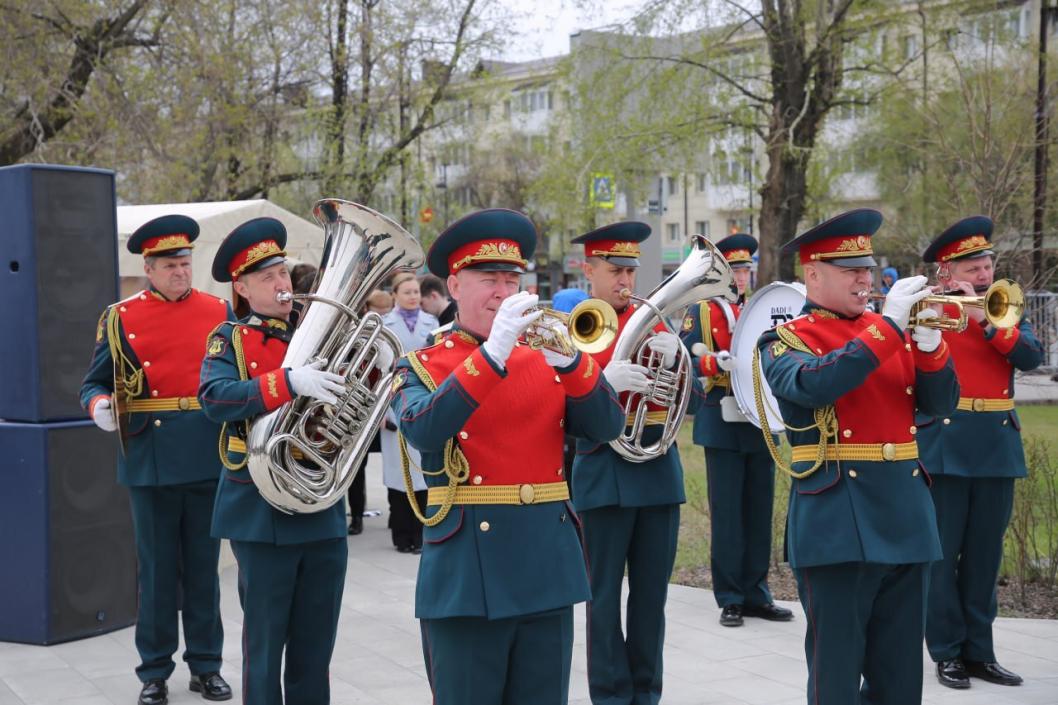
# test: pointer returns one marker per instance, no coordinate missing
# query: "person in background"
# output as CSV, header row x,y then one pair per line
x,y
380,302
889,276
565,300
435,299
302,276
413,326
741,475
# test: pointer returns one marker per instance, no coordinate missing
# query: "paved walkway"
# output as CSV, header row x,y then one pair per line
x,y
378,660
1035,388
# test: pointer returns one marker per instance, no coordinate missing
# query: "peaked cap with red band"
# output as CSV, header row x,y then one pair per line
x,y
844,240
494,240
617,242
254,245
167,236
967,239
738,249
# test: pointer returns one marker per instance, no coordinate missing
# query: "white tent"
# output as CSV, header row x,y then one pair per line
x,y
216,220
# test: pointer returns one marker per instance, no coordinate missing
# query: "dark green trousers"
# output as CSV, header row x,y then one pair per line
x,y
741,493
515,661
972,516
176,553
864,619
627,668
291,597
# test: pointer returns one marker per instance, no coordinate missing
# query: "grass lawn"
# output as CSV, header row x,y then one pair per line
x,y
1039,423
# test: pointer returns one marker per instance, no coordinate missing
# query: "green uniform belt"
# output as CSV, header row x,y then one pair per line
x,y
859,451
969,404
164,404
501,494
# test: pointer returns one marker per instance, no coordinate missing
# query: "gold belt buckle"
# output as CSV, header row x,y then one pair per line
x,y
978,404
888,451
527,493
184,403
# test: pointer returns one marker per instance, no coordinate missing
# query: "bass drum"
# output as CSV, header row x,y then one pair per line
x,y
776,303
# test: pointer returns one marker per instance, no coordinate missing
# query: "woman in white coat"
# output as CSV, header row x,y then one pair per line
x,y
413,326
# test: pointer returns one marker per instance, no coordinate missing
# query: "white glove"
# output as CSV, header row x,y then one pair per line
x,y
311,381
509,324
725,361
384,362
927,339
556,359
103,416
666,344
624,376
905,293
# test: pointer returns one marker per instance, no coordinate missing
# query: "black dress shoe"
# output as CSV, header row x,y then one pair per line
x,y
404,549
356,526
731,616
952,674
771,612
154,693
992,672
211,685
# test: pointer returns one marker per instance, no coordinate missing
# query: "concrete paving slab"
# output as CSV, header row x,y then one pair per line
x,y
378,657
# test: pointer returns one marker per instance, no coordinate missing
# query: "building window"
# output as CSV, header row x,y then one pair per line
x,y
673,230
673,185
701,227
700,179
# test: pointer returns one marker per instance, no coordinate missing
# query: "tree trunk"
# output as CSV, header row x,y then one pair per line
x,y
781,209
339,96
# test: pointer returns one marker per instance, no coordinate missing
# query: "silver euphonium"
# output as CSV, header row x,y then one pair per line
x,y
304,455
705,274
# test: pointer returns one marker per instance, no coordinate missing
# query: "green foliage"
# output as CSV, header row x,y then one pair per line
x,y
954,135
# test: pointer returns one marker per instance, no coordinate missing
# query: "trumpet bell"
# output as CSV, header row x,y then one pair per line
x,y
592,325
1004,304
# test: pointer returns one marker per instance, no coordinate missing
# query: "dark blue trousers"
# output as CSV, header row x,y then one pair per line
x,y
515,661
627,668
864,619
972,516
290,596
176,553
741,494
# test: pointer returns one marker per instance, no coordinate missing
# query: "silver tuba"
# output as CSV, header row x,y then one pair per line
x,y
304,455
705,274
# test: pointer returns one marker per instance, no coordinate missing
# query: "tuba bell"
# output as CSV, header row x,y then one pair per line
x,y
304,455
705,274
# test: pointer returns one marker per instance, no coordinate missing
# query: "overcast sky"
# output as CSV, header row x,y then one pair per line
x,y
544,26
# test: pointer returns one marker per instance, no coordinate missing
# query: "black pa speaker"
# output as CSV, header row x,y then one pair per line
x,y
68,555
58,270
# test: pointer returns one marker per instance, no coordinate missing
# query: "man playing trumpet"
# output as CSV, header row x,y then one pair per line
x,y
974,455
502,564
861,529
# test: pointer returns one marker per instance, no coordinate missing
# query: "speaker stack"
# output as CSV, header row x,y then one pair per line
x,y
67,553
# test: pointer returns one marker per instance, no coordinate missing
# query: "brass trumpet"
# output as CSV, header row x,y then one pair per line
x,y
590,327
1003,304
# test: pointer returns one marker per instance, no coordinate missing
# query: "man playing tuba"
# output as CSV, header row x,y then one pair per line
x,y
291,566
630,511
